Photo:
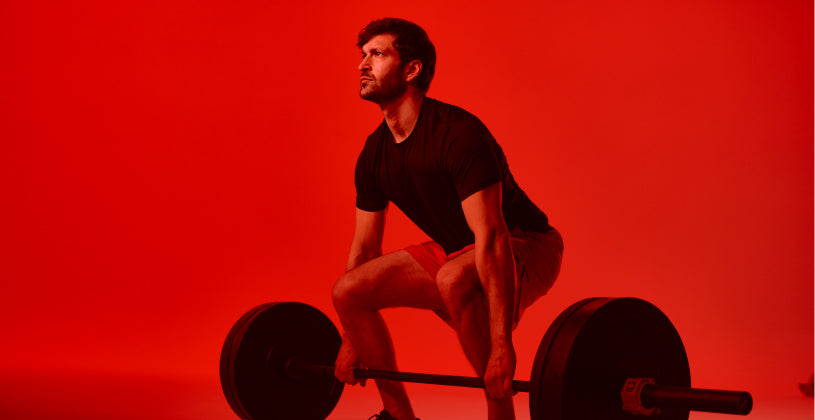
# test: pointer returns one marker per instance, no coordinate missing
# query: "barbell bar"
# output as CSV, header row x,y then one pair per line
x,y
650,396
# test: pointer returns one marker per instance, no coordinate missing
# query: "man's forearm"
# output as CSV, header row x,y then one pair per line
x,y
496,269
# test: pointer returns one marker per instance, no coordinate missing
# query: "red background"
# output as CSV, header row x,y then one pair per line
x,y
168,165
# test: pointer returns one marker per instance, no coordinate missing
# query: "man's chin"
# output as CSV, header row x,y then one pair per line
x,y
371,96
379,97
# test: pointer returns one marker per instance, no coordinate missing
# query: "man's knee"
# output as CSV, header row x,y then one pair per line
x,y
459,287
351,290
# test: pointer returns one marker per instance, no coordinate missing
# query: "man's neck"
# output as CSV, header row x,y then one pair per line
x,y
402,114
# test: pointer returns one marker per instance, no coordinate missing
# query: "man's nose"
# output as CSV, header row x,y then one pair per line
x,y
364,64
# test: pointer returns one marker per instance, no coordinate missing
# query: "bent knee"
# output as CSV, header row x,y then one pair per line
x,y
346,289
352,290
458,286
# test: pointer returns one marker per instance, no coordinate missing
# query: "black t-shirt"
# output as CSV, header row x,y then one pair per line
x,y
449,156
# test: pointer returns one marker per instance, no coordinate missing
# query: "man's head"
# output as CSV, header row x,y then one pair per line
x,y
412,59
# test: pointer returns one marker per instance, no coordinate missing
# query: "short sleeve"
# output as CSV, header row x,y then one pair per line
x,y
470,157
369,195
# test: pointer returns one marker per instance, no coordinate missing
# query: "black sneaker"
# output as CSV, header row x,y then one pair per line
x,y
383,415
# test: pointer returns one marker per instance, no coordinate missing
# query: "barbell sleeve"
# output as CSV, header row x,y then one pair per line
x,y
694,399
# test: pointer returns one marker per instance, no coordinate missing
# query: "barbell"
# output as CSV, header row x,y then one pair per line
x,y
602,358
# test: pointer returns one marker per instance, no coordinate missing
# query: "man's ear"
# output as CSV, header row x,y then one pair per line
x,y
412,70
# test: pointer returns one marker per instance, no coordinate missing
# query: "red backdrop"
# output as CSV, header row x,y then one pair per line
x,y
168,165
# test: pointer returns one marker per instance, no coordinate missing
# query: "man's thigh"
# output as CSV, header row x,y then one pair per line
x,y
397,280
537,264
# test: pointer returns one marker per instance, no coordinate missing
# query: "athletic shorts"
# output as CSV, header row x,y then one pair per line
x,y
537,263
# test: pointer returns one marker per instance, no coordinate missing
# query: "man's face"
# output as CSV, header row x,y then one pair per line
x,y
382,76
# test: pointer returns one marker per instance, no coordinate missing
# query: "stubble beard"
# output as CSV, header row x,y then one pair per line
x,y
390,89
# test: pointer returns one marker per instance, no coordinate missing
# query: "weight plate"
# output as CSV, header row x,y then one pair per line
x,y
592,348
253,374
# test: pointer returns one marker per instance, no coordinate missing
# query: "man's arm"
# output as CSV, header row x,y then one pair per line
x,y
366,245
495,265
369,230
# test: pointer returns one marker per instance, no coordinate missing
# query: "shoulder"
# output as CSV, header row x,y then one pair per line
x,y
454,121
450,114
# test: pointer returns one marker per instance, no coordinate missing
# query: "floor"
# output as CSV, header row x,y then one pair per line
x,y
124,397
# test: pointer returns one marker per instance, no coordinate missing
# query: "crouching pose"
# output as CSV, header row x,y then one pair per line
x,y
492,254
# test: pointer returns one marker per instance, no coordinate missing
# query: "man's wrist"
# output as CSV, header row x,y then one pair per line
x,y
502,341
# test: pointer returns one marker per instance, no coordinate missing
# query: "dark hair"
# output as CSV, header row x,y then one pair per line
x,y
411,42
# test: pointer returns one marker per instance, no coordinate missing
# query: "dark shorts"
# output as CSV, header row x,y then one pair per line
x,y
537,263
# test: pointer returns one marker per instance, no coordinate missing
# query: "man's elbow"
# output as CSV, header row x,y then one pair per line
x,y
362,254
371,253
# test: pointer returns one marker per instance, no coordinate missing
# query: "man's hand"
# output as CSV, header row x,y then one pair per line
x,y
347,360
500,371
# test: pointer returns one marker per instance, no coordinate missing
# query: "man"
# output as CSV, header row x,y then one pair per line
x,y
493,252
